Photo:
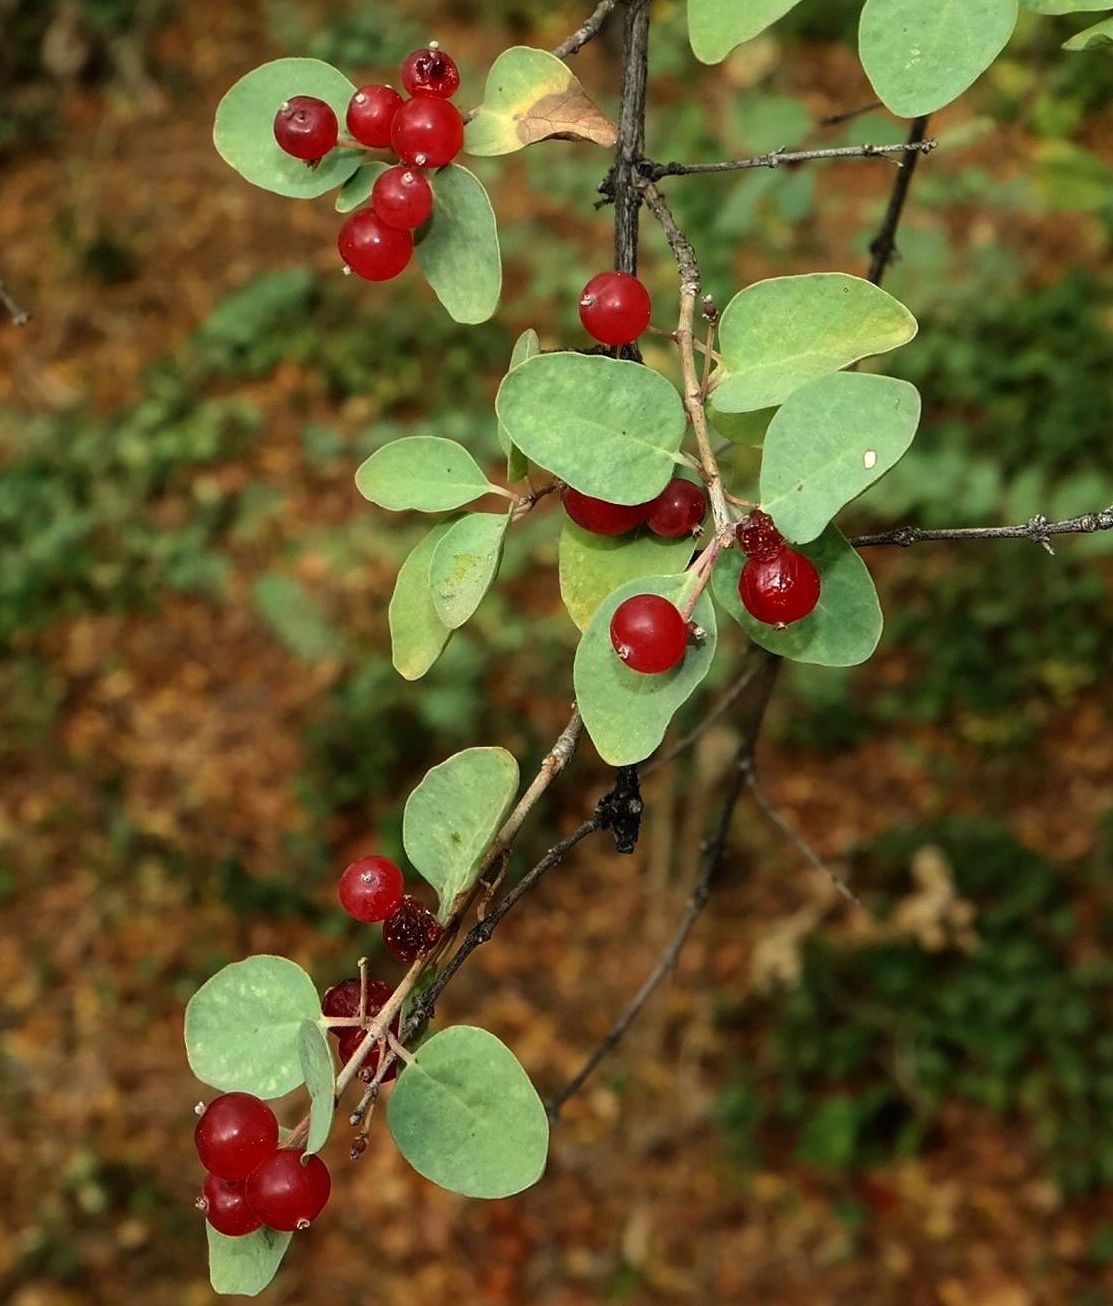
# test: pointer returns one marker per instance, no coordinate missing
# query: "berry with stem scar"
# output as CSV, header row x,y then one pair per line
x,y
615,308
372,249
649,634
780,589
371,888
226,1208
235,1132
306,128
286,1194
402,198
370,115
429,71
427,132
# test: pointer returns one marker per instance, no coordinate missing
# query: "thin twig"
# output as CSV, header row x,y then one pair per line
x,y
1037,529
883,247
721,708
775,158
18,314
588,32
833,119
624,186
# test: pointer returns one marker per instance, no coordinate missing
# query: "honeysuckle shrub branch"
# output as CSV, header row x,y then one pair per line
x,y
656,547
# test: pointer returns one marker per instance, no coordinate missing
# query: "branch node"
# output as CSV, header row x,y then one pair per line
x,y
620,811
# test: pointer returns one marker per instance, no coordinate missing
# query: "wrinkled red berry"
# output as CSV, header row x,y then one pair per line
x,y
235,1132
370,115
615,308
677,510
781,589
306,128
402,198
758,537
430,71
600,517
343,1000
371,888
285,1194
372,249
411,930
649,634
427,132
226,1207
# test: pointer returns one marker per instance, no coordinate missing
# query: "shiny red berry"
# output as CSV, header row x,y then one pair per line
x,y
615,308
411,930
402,198
677,510
370,115
285,1194
306,128
600,517
427,132
781,589
429,71
235,1132
758,537
372,249
649,634
371,888
226,1207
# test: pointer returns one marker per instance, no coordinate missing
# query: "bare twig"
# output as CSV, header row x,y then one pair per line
x,y
721,708
775,158
18,314
883,247
588,32
833,119
1037,529
625,183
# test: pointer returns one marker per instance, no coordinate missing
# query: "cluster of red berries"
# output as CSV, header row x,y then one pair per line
x,y
677,511
615,308
371,890
778,584
250,1180
425,131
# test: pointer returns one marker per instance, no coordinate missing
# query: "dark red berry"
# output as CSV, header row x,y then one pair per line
x,y
649,634
758,537
427,132
411,930
402,198
371,888
372,249
350,1039
306,128
226,1207
370,113
677,510
615,308
600,517
343,1000
285,1194
781,589
430,71
235,1133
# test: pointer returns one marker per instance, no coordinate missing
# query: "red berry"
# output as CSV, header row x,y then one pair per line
x,y
343,1000
351,1038
306,128
372,249
600,517
430,71
410,930
402,198
235,1132
370,113
285,1194
649,634
615,308
677,510
427,132
781,589
758,537
371,888
226,1207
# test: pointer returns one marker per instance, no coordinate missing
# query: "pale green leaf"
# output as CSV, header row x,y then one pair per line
x,y
1092,38
527,346
1067,6
357,189
715,27
244,1266
417,634
458,250
465,564
422,472
593,566
320,1080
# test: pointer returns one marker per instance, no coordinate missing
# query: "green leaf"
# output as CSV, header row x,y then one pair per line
x,y
746,429
1067,6
424,472
715,27
417,634
777,335
845,626
241,1026
920,56
453,815
244,129
593,566
465,563
527,346
609,427
1092,38
357,189
531,95
627,713
244,1266
315,1060
465,1115
829,441
459,248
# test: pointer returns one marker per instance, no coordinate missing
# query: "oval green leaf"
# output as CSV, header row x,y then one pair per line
x,y
423,472
417,634
453,815
845,626
465,564
241,1026
715,27
607,426
244,129
626,713
244,1266
777,335
920,56
357,189
320,1079
465,1115
828,442
1092,38
527,346
459,248
593,566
